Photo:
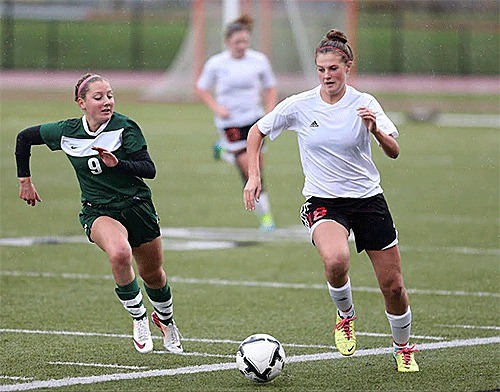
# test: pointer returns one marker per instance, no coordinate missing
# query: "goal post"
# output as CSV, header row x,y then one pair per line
x,y
286,31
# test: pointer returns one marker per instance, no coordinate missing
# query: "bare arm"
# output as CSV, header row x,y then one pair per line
x,y
270,98
388,143
212,104
253,187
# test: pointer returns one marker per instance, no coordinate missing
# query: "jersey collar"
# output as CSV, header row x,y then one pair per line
x,y
99,130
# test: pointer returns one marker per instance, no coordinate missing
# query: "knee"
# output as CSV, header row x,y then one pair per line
x,y
393,289
120,256
336,265
154,278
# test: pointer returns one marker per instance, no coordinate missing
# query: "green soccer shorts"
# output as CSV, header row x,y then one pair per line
x,y
137,215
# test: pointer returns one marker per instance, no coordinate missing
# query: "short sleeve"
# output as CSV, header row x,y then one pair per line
x,y
52,133
384,123
276,121
268,77
207,78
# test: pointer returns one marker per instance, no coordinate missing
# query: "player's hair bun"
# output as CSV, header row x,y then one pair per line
x,y
336,35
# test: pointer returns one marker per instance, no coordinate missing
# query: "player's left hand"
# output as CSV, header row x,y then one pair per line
x,y
368,117
109,159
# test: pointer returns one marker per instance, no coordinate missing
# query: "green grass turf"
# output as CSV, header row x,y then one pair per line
x,y
443,192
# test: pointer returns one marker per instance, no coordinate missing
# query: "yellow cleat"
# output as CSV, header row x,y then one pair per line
x,y
405,359
345,336
266,223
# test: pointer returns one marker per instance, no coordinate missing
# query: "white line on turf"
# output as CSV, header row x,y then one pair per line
x,y
232,365
488,327
16,378
116,377
388,350
197,340
101,365
197,354
196,238
243,283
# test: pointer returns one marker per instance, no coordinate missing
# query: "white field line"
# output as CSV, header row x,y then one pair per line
x,y
117,377
197,354
244,283
487,327
196,340
199,238
388,350
232,365
16,378
101,365
222,282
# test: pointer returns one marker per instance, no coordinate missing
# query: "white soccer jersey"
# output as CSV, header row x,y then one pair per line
x,y
238,84
334,143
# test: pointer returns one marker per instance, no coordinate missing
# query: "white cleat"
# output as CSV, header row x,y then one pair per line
x,y
171,335
142,336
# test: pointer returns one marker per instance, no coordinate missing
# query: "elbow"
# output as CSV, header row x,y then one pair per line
x,y
21,138
152,173
391,150
200,93
393,154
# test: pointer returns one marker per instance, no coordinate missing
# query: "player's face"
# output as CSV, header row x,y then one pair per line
x,y
238,43
332,73
99,103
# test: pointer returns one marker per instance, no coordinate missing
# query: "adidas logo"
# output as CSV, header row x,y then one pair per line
x,y
314,124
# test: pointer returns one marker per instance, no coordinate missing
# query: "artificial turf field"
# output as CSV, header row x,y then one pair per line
x,y
62,327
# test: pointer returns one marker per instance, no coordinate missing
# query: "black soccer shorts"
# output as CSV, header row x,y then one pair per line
x,y
369,219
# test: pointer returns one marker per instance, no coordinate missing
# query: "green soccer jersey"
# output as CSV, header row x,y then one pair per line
x,y
99,184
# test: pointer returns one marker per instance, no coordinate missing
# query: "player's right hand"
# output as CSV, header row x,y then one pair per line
x,y
27,191
251,193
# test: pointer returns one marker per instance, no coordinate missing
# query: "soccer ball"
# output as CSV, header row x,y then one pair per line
x,y
260,358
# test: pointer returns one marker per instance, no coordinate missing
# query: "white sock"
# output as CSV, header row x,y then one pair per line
x,y
342,297
401,328
263,206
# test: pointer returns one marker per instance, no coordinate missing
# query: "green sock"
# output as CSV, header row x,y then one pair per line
x,y
161,299
131,298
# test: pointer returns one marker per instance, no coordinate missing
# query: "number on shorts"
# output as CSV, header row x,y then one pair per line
x,y
94,165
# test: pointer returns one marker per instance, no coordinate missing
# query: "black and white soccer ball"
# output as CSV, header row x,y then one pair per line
x,y
260,358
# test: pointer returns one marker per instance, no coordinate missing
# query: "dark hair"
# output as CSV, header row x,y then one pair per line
x,y
335,41
243,23
81,90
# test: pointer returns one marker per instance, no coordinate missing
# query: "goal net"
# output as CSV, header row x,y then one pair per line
x,y
286,31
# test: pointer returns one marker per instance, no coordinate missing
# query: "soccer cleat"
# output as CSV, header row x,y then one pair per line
x,y
142,336
220,153
266,223
345,336
217,150
171,335
405,359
